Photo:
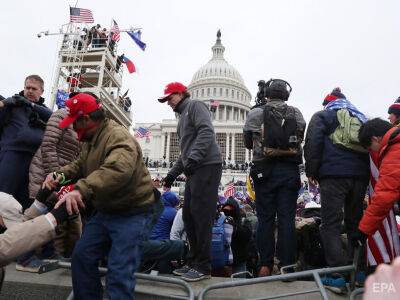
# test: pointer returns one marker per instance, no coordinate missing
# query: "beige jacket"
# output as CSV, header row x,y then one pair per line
x,y
24,237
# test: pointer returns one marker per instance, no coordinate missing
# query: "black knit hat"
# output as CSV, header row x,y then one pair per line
x,y
395,108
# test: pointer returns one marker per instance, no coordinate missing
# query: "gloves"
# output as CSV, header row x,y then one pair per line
x,y
190,167
60,213
43,194
168,181
17,100
358,238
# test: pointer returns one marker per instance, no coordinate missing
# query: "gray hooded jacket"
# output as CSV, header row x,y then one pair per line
x,y
196,137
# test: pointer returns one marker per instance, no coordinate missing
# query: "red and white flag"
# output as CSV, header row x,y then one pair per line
x,y
80,15
229,190
115,32
383,246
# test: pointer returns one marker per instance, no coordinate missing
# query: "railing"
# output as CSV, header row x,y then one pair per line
x,y
314,273
356,293
163,279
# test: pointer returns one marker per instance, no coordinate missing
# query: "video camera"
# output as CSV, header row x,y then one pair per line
x,y
272,88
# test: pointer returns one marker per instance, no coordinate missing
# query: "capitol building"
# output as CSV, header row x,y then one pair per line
x,y
221,87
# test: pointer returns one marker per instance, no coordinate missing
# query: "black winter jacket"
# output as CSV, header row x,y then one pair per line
x,y
20,129
323,158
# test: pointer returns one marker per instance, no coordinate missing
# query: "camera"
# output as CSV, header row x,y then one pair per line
x,y
39,35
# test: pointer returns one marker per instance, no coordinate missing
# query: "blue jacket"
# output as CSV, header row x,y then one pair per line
x,y
17,130
162,229
323,158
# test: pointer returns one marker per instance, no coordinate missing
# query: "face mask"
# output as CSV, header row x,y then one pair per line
x,y
81,132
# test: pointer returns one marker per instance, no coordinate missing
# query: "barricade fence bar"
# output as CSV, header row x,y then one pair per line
x,y
311,273
148,277
355,293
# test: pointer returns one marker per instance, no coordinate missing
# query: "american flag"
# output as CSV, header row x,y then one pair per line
x,y
142,132
80,15
229,190
115,32
383,245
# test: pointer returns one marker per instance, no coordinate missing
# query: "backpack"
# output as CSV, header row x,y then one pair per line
x,y
279,132
219,244
346,134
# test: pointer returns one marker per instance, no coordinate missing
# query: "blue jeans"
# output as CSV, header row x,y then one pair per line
x,y
118,237
276,196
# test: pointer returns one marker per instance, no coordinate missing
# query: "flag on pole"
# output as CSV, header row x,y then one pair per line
x,y
115,32
61,97
142,132
80,15
128,63
136,36
229,190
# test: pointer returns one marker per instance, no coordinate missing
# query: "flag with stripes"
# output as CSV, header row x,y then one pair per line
x,y
142,132
80,15
115,32
229,190
383,246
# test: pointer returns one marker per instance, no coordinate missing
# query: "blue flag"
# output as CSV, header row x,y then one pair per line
x,y
61,97
136,36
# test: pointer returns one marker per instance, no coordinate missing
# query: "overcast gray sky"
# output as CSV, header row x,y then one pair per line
x,y
314,44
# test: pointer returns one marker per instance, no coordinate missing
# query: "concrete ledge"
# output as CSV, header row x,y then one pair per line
x,y
57,285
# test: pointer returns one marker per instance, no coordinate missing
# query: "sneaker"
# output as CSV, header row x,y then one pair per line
x,y
181,271
32,265
360,279
264,271
194,275
335,284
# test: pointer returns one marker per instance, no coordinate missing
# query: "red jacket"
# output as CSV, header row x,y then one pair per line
x,y
387,188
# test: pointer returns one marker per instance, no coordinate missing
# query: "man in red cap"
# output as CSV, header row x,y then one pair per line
x,y
111,178
201,162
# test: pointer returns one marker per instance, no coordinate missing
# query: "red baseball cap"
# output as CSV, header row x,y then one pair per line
x,y
79,105
172,88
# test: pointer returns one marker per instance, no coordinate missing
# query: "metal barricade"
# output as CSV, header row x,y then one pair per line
x,y
356,293
311,273
153,278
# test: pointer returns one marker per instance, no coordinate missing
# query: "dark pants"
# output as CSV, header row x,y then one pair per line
x,y
276,196
163,252
340,195
14,175
119,237
199,211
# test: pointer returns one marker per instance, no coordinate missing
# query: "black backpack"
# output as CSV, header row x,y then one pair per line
x,y
280,132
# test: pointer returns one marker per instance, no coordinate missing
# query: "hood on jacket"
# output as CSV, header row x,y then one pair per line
x,y
170,199
234,206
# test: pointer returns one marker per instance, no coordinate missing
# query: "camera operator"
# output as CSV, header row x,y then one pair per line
x,y
22,122
274,131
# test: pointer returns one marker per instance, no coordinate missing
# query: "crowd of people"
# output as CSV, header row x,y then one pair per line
x,y
226,165
74,185
95,37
